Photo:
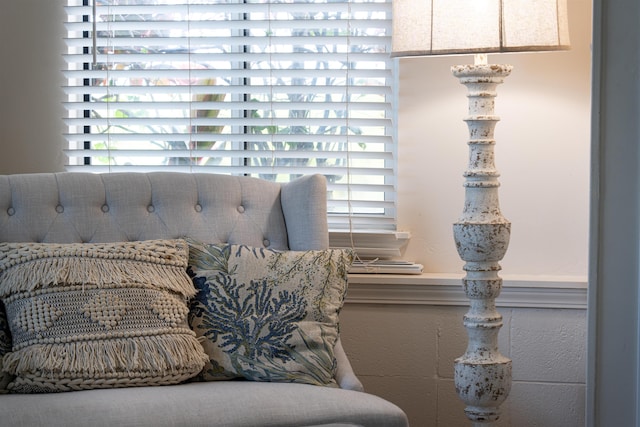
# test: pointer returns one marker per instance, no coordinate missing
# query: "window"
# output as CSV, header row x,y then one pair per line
x,y
271,89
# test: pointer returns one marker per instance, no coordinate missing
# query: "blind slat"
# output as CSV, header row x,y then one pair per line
x,y
185,137
231,169
228,6
173,73
231,105
225,121
99,91
221,40
235,154
225,56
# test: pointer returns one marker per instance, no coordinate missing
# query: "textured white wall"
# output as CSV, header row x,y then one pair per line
x,y
542,153
31,111
405,354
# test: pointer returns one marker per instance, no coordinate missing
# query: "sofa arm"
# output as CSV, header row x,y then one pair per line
x,y
345,376
304,204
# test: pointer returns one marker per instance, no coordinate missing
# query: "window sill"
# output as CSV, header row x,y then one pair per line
x,y
568,292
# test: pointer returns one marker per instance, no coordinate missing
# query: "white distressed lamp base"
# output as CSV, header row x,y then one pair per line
x,y
482,374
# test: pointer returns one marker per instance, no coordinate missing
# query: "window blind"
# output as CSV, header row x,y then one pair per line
x,y
271,89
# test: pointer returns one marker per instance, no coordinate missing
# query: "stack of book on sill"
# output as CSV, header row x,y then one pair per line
x,y
378,252
385,266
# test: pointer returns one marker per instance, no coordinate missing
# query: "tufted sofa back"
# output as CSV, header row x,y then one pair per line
x,y
82,207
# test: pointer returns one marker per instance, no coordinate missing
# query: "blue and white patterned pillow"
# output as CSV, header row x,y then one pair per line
x,y
267,315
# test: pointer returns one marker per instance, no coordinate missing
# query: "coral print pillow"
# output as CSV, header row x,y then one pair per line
x,y
267,315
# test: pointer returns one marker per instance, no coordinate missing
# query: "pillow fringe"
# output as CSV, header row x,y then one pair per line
x,y
58,272
119,359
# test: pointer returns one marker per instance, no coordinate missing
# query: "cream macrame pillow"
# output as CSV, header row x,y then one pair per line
x,y
104,315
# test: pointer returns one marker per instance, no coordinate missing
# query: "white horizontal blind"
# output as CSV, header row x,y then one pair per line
x,y
271,89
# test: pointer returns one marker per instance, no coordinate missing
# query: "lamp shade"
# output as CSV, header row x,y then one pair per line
x,y
442,27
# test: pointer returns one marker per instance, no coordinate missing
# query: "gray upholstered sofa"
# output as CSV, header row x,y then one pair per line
x,y
75,207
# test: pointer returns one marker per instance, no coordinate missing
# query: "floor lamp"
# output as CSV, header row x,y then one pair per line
x,y
445,27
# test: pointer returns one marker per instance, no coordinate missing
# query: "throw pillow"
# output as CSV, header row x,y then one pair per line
x,y
5,347
267,315
105,315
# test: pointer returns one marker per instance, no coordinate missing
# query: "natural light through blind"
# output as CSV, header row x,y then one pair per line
x,y
271,89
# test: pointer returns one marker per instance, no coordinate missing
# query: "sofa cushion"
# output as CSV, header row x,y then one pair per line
x,y
203,404
103,315
268,315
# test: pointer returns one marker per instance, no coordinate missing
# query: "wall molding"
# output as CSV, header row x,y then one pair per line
x,y
560,292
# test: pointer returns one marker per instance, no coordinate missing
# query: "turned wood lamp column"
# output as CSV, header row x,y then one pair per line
x,y
482,374
443,27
